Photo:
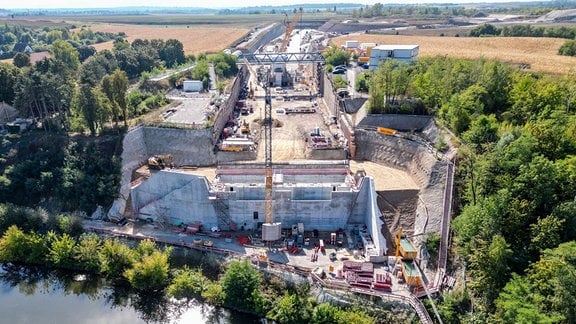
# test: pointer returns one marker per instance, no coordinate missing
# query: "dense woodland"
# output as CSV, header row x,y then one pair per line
x,y
515,229
514,234
514,237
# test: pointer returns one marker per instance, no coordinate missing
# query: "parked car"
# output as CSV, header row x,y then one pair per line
x,y
339,71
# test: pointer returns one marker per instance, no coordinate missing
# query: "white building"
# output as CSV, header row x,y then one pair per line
x,y
402,53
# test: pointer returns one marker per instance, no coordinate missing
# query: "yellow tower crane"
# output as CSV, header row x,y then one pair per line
x,y
270,231
289,29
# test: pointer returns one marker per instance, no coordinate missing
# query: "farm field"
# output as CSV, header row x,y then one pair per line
x,y
196,40
539,54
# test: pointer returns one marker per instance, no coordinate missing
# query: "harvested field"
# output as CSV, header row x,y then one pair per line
x,y
539,54
196,40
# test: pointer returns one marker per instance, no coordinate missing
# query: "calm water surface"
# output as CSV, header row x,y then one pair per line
x,y
30,295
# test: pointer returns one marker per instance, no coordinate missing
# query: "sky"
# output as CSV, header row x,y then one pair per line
x,y
43,4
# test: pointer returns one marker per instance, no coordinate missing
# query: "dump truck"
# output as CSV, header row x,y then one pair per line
x,y
161,161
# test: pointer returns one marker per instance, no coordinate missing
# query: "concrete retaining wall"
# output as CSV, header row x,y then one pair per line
x,y
335,154
226,111
426,166
236,156
403,123
275,31
134,153
189,147
389,150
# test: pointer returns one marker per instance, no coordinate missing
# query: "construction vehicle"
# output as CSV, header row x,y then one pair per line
x,y
160,162
405,255
386,131
245,127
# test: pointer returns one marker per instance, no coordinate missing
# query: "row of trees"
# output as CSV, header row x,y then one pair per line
x,y
428,11
41,39
523,31
147,268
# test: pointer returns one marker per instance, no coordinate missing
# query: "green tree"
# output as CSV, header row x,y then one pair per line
x,y
9,75
568,48
115,87
224,64
241,284
554,276
484,30
354,315
21,60
214,294
150,272
483,130
520,303
566,212
325,314
62,250
115,258
335,56
86,252
290,309
87,104
490,270
339,82
64,52
187,283
362,83
172,53
389,84
16,246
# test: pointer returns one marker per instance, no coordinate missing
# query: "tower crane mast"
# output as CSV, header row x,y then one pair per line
x,y
268,153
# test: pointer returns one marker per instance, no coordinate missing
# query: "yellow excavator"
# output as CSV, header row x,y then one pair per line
x,y
161,161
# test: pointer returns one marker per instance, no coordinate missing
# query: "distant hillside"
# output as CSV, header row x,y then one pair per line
x,y
558,15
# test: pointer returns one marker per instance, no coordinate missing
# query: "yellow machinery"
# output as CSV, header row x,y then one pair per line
x,y
270,231
245,127
289,29
406,250
161,161
386,131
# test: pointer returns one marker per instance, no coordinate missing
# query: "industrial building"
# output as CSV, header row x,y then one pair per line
x,y
322,195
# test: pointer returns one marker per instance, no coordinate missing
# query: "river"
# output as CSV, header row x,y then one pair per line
x,y
32,295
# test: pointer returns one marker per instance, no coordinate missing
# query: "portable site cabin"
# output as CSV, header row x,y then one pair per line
x,y
402,53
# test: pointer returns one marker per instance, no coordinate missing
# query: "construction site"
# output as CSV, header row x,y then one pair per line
x,y
289,173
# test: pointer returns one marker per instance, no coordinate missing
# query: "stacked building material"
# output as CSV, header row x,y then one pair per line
x,y
359,274
382,282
